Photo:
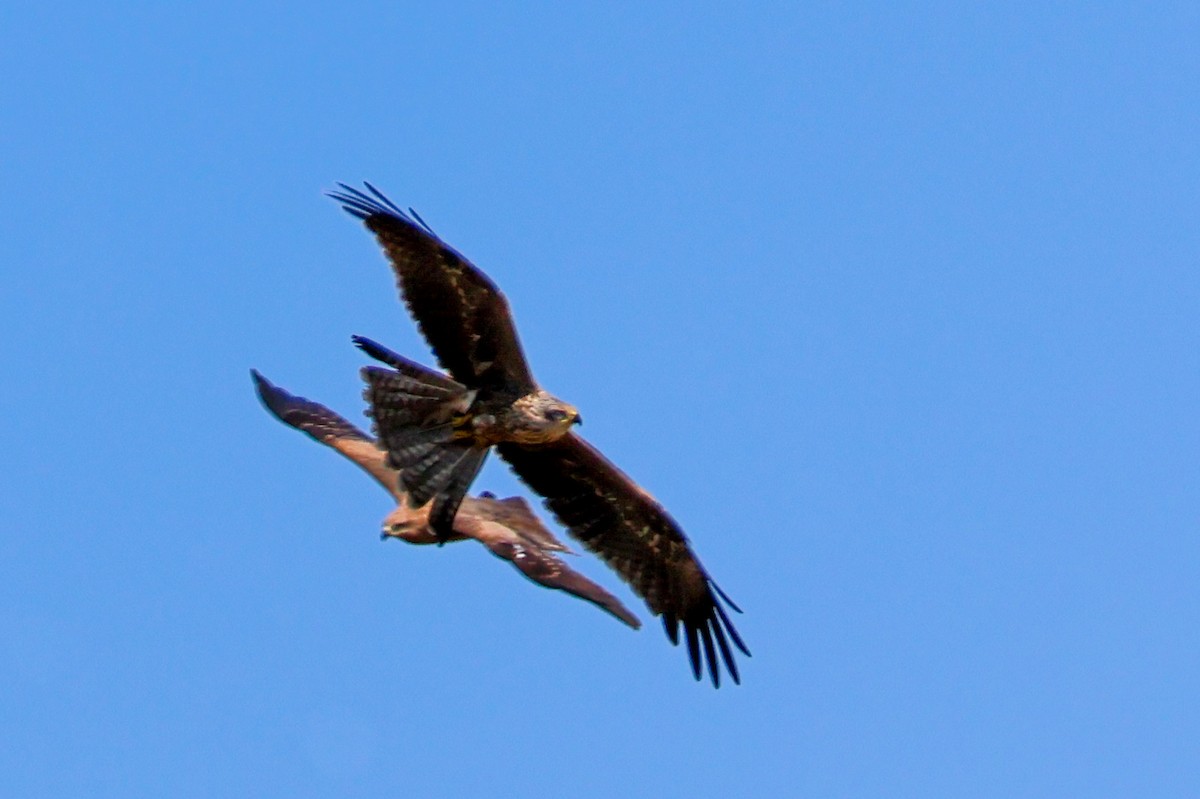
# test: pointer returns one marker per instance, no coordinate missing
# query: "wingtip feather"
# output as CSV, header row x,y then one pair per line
x,y
710,656
693,645
727,654
370,203
273,398
671,625
724,596
733,633
383,200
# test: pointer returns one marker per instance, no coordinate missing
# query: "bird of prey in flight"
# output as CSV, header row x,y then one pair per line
x,y
438,428
507,527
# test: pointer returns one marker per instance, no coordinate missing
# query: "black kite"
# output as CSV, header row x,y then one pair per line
x,y
438,428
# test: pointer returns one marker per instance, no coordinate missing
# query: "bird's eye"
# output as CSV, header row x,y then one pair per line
x,y
555,415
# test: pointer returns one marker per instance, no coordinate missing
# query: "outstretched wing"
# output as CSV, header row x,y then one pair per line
x,y
514,512
505,526
461,313
327,427
514,536
614,518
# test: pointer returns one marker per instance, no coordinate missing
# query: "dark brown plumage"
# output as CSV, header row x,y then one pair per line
x,y
507,527
438,431
467,323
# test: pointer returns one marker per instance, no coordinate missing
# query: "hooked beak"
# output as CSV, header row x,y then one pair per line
x,y
577,420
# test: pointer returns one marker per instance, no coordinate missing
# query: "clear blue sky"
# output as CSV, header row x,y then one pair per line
x,y
894,306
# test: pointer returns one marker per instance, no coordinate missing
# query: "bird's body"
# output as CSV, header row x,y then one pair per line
x,y
438,431
438,428
485,416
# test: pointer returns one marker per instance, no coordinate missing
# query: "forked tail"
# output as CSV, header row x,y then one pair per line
x,y
418,414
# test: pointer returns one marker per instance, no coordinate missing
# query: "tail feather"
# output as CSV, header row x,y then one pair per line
x,y
398,401
403,365
406,385
415,476
415,411
441,515
409,446
431,476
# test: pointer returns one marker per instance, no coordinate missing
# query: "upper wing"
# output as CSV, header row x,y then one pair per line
x,y
513,538
461,313
329,428
631,532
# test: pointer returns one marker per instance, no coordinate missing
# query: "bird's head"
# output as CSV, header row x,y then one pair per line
x,y
563,415
545,418
550,416
406,524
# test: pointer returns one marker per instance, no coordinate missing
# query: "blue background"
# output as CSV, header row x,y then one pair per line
x,y
894,306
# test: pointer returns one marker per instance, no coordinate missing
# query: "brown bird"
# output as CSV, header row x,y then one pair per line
x,y
507,527
438,428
